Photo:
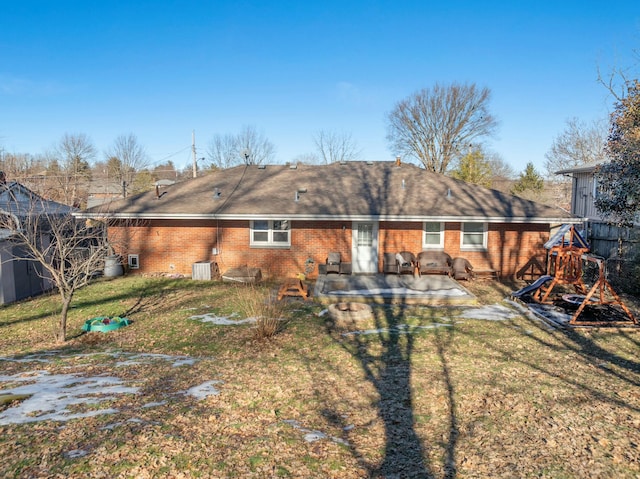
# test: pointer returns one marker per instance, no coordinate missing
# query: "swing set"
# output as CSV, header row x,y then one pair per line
x,y
568,252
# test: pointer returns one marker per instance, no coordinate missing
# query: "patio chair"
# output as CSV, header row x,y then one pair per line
x,y
390,264
462,269
407,262
434,262
333,262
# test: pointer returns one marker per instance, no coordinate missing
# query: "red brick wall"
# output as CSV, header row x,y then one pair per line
x,y
509,246
172,246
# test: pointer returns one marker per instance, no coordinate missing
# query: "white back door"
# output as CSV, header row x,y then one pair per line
x,y
365,247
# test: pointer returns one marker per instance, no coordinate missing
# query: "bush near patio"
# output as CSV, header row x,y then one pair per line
x,y
429,394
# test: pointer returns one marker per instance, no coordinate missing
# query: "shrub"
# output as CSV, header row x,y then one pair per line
x,y
269,313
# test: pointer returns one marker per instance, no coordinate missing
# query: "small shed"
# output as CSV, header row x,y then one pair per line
x,y
22,278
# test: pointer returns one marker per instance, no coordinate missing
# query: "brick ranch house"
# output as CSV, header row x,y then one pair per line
x,y
285,219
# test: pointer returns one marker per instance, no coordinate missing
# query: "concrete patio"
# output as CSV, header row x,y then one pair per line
x,y
434,290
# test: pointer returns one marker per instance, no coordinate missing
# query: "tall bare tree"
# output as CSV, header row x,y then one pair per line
x,y
68,251
74,152
502,173
579,144
307,159
248,147
437,125
334,147
125,159
223,151
254,147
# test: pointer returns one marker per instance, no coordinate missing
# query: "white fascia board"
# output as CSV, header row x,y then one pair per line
x,y
457,219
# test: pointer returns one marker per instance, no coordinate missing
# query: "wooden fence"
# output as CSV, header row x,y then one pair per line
x,y
624,271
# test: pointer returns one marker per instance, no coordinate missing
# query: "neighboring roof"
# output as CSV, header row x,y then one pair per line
x,y
104,186
588,168
18,200
342,191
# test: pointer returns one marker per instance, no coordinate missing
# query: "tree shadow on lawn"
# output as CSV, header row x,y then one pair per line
x,y
570,341
146,296
385,357
578,342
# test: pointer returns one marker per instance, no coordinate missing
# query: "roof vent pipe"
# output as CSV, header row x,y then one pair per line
x,y
296,196
403,184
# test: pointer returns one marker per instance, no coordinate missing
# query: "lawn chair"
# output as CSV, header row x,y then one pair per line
x,y
462,269
390,264
333,262
407,262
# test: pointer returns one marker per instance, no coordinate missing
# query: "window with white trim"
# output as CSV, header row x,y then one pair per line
x,y
270,233
474,236
433,235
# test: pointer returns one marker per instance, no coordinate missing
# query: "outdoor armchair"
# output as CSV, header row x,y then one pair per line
x,y
406,262
390,264
333,262
462,269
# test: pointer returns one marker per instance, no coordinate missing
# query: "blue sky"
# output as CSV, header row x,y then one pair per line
x,y
162,69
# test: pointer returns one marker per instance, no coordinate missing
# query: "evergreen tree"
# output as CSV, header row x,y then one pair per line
x,y
529,181
474,168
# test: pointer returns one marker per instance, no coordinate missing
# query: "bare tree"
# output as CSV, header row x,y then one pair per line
x,y
307,159
126,158
249,147
437,125
502,173
74,152
618,79
68,251
334,147
579,144
255,148
223,151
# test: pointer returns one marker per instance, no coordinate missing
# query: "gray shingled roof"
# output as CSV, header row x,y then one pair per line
x,y
18,200
348,191
587,168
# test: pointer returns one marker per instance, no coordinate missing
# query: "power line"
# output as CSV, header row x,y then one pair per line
x,y
171,155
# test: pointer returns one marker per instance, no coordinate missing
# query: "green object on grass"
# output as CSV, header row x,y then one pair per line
x,y
104,323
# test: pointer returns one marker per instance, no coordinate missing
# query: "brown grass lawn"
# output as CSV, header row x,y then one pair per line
x,y
464,399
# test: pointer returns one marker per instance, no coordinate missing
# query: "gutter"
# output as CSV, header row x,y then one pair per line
x,y
417,218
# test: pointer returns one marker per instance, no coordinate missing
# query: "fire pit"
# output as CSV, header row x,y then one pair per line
x,y
577,299
347,313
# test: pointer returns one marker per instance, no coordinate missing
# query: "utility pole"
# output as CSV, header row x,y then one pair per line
x,y
193,151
